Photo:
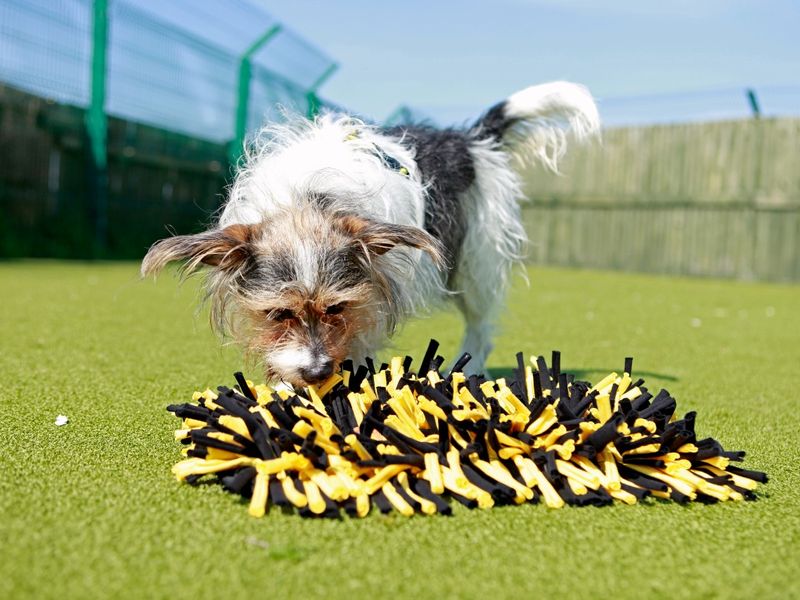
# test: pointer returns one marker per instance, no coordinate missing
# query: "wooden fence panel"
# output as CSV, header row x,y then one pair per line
x,y
709,199
738,242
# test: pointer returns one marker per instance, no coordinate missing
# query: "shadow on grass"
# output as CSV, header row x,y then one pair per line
x,y
584,373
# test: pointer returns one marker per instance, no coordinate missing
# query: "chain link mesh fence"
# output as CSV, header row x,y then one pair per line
x,y
181,84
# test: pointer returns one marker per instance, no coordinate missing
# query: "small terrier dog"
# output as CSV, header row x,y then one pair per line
x,y
336,231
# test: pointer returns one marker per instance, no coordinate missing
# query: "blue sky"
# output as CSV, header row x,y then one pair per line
x,y
644,60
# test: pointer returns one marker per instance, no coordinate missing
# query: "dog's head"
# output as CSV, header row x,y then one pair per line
x,y
297,289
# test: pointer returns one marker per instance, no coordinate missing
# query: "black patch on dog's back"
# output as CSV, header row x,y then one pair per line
x,y
444,160
494,123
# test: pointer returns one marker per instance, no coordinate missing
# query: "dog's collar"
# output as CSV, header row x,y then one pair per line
x,y
387,159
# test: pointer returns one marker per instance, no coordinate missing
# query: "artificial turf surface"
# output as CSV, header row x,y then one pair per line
x,y
91,509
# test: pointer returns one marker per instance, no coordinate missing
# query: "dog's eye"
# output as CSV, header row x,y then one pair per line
x,y
280,314
335,309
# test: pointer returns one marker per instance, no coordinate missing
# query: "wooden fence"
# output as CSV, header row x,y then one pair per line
x,y
713,199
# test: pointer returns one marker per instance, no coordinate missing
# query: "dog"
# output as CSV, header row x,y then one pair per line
x,y
336,231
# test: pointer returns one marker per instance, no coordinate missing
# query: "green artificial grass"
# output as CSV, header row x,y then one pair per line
x,y
91,509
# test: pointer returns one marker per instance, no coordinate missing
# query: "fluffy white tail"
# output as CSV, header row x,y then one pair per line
x,y
536,122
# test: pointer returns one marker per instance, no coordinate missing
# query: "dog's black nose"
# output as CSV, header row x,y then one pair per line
x,y
319,372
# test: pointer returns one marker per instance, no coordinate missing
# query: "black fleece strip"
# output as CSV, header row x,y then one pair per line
x,y
555,368
430,352
190,411
544,373
423,488
280,415
468,502
460,364
276,494
537,385
350,507
404,495
643,480
499,491
357,378
636,491
382,502
754,475
628,368
238,480
243,387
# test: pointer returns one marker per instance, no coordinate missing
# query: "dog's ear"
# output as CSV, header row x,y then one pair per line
x,y
378,238
225,248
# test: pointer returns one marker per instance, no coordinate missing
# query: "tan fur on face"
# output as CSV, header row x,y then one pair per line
x,y
378,238
305,262
304,259
224,248
310,326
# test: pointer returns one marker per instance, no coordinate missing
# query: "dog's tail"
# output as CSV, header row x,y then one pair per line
x,y
535,122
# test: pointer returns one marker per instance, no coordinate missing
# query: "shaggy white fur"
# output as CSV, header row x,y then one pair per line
x,y
546,113
341,163
335,156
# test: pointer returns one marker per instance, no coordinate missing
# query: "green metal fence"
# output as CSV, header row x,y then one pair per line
x,y
119,118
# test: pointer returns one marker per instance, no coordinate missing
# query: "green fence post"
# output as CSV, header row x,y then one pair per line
x,y
399,116
312,100
243,95
752,99
97,125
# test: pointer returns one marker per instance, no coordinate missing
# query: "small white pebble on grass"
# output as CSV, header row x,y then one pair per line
x,y
254,541
62,420
696,322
